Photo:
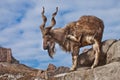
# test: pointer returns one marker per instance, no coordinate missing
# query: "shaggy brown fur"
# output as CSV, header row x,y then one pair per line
x,y
86,25
85,31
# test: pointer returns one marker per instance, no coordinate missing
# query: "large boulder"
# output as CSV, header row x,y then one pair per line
x,y
87,58
113,53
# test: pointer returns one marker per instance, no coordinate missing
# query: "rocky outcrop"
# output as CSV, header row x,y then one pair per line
x,y
113,53
86,58
53,70
107,72
11,69
108,69
51,67
6,56
109,65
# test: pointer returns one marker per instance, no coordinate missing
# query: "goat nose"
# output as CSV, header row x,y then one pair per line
x,y
45,47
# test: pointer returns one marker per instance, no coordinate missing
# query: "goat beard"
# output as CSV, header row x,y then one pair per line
x,y
51,50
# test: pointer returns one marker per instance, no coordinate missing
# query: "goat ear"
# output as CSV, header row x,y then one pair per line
x,y
47,29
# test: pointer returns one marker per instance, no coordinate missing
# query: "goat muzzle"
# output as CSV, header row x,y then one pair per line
x,y
45,47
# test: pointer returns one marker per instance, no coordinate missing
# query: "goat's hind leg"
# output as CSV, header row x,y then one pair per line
x,y
96,48
74,63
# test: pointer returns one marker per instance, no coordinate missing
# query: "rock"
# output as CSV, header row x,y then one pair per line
x,y
113,53
53,70
6,55
14,71
42,74
61,69
107,44
11,69
51,67
108,69
107,72
87,57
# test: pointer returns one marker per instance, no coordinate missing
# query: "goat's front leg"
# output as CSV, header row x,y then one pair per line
x,y
96,48
75,54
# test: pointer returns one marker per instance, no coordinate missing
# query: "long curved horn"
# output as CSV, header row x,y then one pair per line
x,y
44,20
53,22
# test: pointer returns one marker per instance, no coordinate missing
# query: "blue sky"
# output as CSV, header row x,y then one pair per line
x,y
20,21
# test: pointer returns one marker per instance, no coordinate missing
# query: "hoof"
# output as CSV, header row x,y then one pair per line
x,y
72,69
93,66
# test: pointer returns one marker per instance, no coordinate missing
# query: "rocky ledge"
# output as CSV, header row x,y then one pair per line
x,y
108,68
109,65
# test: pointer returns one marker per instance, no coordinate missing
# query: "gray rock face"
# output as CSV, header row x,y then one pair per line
x,y
113,53
107,72
87,58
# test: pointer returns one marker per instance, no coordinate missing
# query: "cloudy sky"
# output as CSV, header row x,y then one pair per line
x,y
20,21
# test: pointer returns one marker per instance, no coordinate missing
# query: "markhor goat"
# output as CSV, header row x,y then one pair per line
x,y
88,30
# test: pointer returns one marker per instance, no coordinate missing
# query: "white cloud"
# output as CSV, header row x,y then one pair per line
x,y
24,36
